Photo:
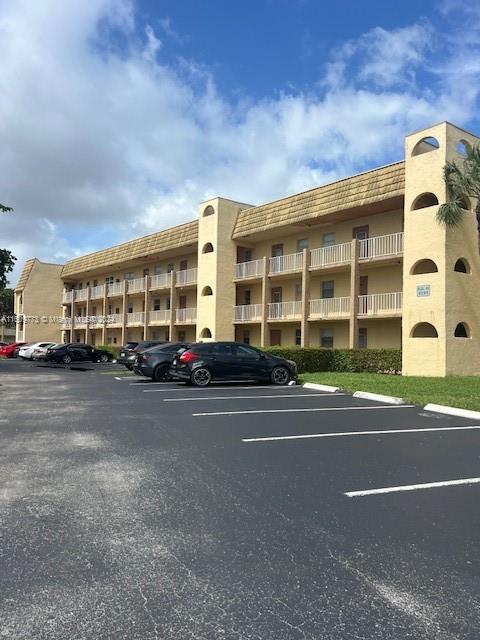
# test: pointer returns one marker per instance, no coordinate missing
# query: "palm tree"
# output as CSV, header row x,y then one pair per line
x,y
5,209
462,182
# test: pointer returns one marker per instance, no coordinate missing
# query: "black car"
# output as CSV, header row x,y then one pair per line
x,y
205,362
129,352
156,362
76,352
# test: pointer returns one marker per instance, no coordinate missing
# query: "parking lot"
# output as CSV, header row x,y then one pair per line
x,y
133,509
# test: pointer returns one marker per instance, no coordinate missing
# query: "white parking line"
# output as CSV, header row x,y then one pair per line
x,y
303,410
412,487
289,395
342,434
220,388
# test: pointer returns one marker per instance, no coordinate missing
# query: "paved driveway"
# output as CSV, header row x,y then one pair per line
x,y
132,510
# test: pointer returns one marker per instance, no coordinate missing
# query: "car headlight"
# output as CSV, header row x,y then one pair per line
x,y
132,357
293,364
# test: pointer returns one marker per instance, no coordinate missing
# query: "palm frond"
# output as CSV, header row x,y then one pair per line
x,y
450,214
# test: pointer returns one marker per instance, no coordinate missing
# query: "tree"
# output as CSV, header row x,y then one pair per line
x,y
462,182
7,259
5,209
6,302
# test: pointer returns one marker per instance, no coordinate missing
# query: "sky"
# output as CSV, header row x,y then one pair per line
x,y
118,117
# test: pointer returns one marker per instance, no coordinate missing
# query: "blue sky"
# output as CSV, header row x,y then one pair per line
x,y
118,117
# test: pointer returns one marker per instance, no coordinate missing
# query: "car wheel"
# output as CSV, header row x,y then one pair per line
x,y
103,357
160,373
201,377
280,376
66,359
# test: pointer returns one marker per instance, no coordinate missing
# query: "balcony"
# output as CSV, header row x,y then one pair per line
x,y
286,264
186,277
330,308
380,304
136,286
115,289
186,316
285,310
81,294
247,313
251,269
80,322
66,323
161,281
114,319
67,296
136,318
95,321
381,246
334,255
97,292
159,317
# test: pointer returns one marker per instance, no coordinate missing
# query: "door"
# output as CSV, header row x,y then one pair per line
x,y
360,233
182,302
363,290
225,363
275,337
277,250
276,294
250,363
183,265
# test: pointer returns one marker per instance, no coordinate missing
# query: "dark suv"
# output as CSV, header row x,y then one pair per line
x,y
76,352
155,363
208,361
129,352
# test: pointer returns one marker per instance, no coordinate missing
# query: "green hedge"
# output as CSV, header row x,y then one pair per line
x,y
350,360
111,348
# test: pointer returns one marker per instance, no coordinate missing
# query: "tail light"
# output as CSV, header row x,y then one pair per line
x,y
189,356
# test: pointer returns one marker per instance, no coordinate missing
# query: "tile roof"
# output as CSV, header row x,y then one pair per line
x,y
27,269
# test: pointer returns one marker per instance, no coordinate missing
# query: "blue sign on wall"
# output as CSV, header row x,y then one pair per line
x,y
423,290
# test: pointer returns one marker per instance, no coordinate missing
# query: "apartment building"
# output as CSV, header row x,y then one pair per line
x,y
361,262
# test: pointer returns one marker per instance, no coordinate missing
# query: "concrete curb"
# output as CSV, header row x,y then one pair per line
x,y
377,397
453,411
320,387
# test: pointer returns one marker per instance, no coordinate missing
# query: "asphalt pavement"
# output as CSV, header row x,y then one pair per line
x,y
139,510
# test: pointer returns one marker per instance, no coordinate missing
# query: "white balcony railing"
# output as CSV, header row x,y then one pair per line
x,y
159,317
80,321
247,312
67,296
136,286
187,316
81,294
97,292
137,317
95,321
284,310
114,318
161,281
380,304
333,255
66,323
187,276
330,307
381,246
285,264
251,269
115,289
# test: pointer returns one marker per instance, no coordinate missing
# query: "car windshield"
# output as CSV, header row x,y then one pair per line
x,y
59,346
131,345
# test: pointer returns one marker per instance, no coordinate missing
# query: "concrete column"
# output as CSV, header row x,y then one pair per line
x,y
305,326
354,291
72,311
87,312
173,305
147,308
124,312
104,326
264,338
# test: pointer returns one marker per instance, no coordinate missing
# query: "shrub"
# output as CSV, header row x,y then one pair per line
x,y
111,348
349,360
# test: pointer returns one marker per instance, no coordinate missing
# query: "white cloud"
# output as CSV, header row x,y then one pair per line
x,y
101,140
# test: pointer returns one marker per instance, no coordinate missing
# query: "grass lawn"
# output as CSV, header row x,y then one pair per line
x,y
454,391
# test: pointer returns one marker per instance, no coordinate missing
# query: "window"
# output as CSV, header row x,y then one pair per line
x,y
360,233
462,266
246,336
462,331
130,275
170,267
298,292
302,244
326,338
362,338
246,352
183,265
424,330
328,239
156,304
424,200
110,309
95,283
207,248
114,341
157,269
221,349
463,148
168,303
247,298
328,289
298,337
424,266
145,272
425,145
206,333
117,310
130,307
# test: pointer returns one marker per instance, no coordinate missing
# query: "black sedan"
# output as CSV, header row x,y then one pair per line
x,y
205,362
76,352
155,363
129,352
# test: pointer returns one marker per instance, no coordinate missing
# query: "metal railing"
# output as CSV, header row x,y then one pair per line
x,y
95,320
288,263
187,276
114,318
66,322
115,289
67,296
380,303
335,254
330,307
187,316
251,269
247,312
137,317
80,321
97,292
161,281
381,246
284,310
136,286
159,317
81,294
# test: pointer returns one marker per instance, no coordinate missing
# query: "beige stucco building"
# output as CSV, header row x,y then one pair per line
x,y
361,262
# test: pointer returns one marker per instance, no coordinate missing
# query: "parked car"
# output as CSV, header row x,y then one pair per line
x,y
208,361
76,352
26,352
155,362
128,354
8,351
40,353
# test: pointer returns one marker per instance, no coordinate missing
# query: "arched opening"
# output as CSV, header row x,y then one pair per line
x,y
424,266
207,291
207,248
462,266
463,148
424,330
424,200
206,333
425,145
208,211
462,330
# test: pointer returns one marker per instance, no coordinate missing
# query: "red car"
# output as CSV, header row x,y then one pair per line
x,y
8,350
